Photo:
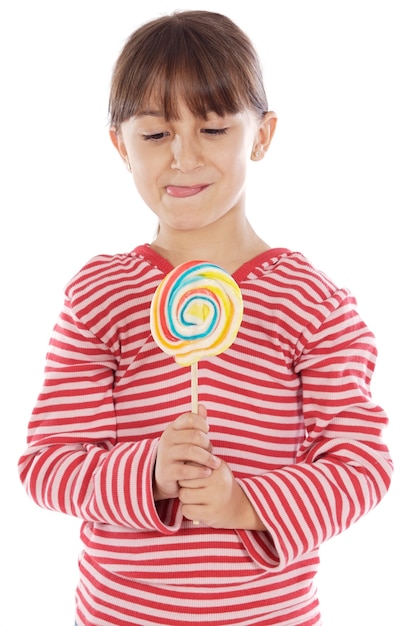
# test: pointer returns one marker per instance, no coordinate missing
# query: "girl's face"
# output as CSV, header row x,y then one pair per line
x,y
191,172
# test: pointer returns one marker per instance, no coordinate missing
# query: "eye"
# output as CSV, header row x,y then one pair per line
x,y
155,136
215,131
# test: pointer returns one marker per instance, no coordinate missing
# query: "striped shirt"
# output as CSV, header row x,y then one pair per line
x,y
290,411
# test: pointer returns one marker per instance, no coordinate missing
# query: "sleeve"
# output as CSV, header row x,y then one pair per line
x,y
343,468
73,462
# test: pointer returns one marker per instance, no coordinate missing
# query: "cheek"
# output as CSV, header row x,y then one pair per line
x,y
151,161
144,179
145,164
235,163
239,150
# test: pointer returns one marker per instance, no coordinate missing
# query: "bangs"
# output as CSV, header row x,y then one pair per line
x,y
166,83
192,86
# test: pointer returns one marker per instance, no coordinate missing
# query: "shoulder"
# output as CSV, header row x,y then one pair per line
x,y
285,273
115,279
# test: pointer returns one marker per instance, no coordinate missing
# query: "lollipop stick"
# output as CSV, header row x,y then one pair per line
x,y
194,387
194,397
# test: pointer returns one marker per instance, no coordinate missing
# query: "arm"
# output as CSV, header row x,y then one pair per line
x,y
74,463
343,467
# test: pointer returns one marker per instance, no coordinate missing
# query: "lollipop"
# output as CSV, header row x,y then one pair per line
x,y
196,312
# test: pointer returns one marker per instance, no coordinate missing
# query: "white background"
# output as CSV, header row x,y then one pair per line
x,y
338,184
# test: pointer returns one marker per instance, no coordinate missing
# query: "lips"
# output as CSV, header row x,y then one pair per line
x,y
184,192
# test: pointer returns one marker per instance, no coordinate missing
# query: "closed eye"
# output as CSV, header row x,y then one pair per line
x,y
155,136
215,131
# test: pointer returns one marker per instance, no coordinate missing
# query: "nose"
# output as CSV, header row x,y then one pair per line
x,y
186,154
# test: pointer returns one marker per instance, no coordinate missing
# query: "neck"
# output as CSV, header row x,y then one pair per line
x,y
227,247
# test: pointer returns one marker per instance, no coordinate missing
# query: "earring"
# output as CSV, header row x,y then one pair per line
x,y
128,164
256,154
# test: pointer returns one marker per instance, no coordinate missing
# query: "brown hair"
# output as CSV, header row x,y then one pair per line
x,y
200,56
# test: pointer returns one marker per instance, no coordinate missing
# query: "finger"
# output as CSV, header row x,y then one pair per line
x,y
191,472
193,483
195,455
191,437
171,438
191,421
195,497
194,512
190,496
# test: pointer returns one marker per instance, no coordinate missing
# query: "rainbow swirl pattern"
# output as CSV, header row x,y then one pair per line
x,y
196,312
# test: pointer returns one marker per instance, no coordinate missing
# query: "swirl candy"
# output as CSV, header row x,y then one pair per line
x,y
196,312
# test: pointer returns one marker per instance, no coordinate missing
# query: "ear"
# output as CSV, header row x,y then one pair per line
x,y
118,142
264,135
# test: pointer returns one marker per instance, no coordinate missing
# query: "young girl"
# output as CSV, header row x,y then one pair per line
x,y
213,517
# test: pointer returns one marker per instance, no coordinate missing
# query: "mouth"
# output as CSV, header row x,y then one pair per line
x,y
184,192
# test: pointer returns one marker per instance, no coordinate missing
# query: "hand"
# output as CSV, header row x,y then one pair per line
x,y
218,501
184,453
